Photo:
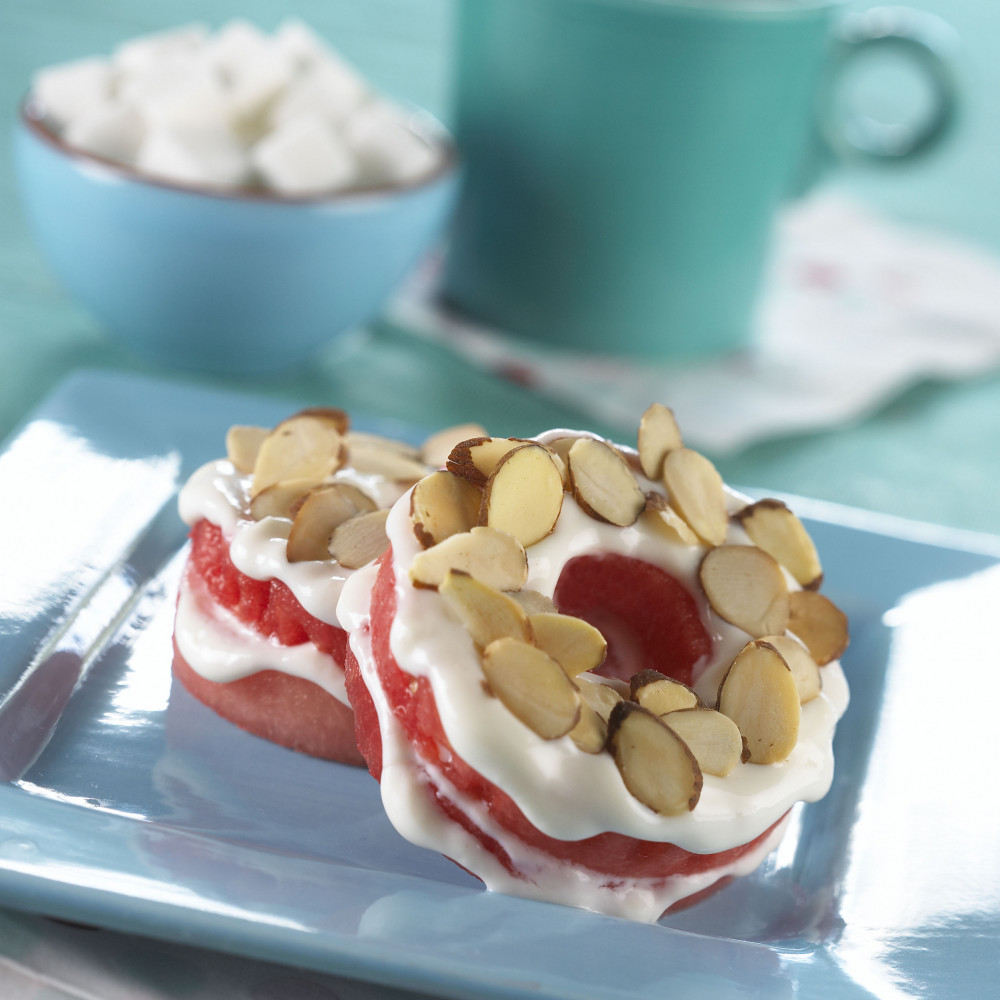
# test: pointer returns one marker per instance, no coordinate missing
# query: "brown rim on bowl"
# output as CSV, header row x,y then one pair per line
x,y
425,127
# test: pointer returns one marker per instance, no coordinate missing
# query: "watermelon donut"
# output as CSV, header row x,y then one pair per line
x,y
277,527
592,674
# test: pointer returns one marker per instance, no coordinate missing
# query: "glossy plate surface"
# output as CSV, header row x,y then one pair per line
x,y
126,804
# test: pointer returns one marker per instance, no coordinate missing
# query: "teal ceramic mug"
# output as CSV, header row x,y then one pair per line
x,y
624,159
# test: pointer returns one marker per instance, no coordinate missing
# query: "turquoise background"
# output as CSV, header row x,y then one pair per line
x,y
928,455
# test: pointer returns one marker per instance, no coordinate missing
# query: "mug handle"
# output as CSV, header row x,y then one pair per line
x,y
930,43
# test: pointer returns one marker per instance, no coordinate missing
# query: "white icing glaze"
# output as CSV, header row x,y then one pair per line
x,y
221,648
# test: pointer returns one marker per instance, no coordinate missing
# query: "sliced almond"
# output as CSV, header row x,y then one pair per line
x,y
661,694
660,517
590,734
322,510
476,458
242,444
365,439
746,587
443,504
487,613
332,415
778,531
533,601
360,539
820,624
573,643
694,488
532,686
603,483
600,693
759,694
523,495
436,448
712,737
658,434
385,462
302,447
489,555
655,763
803,667
281,499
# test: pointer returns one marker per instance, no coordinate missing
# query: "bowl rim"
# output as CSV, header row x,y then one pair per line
x,y
423,124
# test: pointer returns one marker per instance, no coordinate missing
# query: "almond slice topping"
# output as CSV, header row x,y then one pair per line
x,y
322,510
523,495
281,499
360,539
803,667
712,737
590,734
332,415
476,458
242,444
661,694
603,483
746,587
759,694
658,434
695,489
489,555
778,531
532,686
301,447
436,448
533,601
365,439
573,643
443,504
487,613
386,462
656,765
600,693
663,519
820,624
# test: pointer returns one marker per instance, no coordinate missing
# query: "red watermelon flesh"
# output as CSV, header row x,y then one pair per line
x,y
291,711
647,616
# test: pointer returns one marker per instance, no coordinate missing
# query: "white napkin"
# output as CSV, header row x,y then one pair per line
x,y
856,308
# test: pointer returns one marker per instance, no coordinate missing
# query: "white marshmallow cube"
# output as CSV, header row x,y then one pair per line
x,y
299,44
181,91
194,155
387,150
70,89
139,54
110,129
304,157
251,66
330,89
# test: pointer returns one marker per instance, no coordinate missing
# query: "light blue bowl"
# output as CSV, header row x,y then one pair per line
x,y
237,283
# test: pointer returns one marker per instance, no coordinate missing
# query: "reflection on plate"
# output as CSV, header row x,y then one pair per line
x,y
126,803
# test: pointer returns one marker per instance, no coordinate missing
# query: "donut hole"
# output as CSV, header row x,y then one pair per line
x,y
648,617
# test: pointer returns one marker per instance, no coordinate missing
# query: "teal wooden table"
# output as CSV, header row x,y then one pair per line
x,y
932,454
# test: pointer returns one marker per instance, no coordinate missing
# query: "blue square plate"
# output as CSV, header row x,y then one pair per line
x,y
124,803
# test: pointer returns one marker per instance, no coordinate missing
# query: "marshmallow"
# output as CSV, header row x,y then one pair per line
x,y
387,150
139,54
299,44
70,89
304,157
203,108
193,155
110,129
330,89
